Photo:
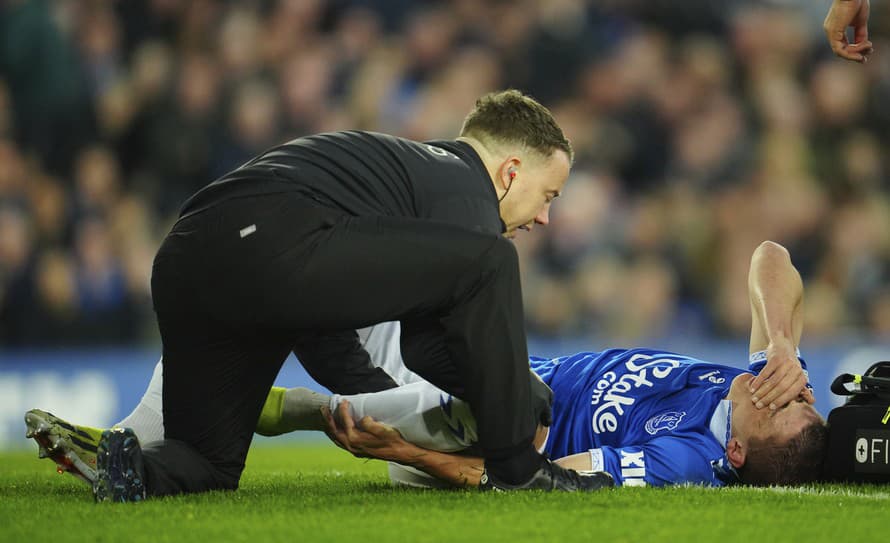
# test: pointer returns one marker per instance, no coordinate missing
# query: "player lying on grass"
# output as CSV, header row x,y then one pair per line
x,y
644,416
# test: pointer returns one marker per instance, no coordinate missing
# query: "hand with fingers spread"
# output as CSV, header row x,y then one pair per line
x,y
842,15
782,379
366,438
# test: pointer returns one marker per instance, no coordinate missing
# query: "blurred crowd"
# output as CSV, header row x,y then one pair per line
x,y
700,127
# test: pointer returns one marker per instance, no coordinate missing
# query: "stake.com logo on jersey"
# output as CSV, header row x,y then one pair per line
x,y
612,390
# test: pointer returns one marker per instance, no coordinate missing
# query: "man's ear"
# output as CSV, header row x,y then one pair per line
x,y
735,451
508,171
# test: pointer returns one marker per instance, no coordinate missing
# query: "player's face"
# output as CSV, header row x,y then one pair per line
x,y
532,191
782,424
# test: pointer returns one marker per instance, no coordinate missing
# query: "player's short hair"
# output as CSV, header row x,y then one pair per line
x,y
512,118
795,462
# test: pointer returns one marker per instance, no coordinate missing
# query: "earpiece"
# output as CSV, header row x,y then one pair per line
x,y
511,173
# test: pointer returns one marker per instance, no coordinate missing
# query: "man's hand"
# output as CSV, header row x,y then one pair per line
x,y
844,14
782,379
367,439
373,439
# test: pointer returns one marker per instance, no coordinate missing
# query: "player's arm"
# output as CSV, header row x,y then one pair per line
x,y
577,462
666,460
369,438
775,291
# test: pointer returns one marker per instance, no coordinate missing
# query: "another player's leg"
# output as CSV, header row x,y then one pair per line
x,y
424,415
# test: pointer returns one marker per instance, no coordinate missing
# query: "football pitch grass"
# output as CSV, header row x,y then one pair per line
x,y
316,492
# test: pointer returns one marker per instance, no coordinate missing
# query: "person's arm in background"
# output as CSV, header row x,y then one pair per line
x,y
842,15
776,295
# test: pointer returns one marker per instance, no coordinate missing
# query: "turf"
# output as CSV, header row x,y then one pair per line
x,y
316,492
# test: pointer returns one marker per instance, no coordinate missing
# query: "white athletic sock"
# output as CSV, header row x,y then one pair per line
x,y
147,419
301,410
423,414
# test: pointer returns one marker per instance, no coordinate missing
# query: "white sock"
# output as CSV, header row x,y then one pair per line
x,y
147,419
423,414
302,410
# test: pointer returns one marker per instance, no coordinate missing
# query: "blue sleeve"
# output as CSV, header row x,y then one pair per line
x,y
756,362
667,460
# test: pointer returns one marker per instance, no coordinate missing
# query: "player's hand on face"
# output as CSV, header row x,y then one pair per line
x,y
844,14
808,396
782,379
365,439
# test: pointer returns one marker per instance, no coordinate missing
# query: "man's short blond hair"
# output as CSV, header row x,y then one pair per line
x,y
510,118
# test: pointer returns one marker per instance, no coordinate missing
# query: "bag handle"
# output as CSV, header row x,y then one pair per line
x,y
867,384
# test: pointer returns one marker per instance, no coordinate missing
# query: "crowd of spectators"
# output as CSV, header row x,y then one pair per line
x,y
700,128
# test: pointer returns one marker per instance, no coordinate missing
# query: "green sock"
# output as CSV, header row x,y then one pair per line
x,y
270,423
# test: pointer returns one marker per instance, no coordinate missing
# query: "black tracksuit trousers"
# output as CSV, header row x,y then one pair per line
x,y
237,287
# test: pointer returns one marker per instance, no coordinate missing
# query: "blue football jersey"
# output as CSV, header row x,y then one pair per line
x,y
647,417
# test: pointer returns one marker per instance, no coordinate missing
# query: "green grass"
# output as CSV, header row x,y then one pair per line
x,y
313,492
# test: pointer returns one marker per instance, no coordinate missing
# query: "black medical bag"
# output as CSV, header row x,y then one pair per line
x,y
859,430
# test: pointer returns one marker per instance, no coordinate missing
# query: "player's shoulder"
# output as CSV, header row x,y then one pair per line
x,y
344,138
435,150
642,357
352,137
699,459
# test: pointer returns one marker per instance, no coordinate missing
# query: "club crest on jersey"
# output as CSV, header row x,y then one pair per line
x,y
665,421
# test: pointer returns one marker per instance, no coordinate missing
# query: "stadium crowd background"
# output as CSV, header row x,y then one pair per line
x,y
700,129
